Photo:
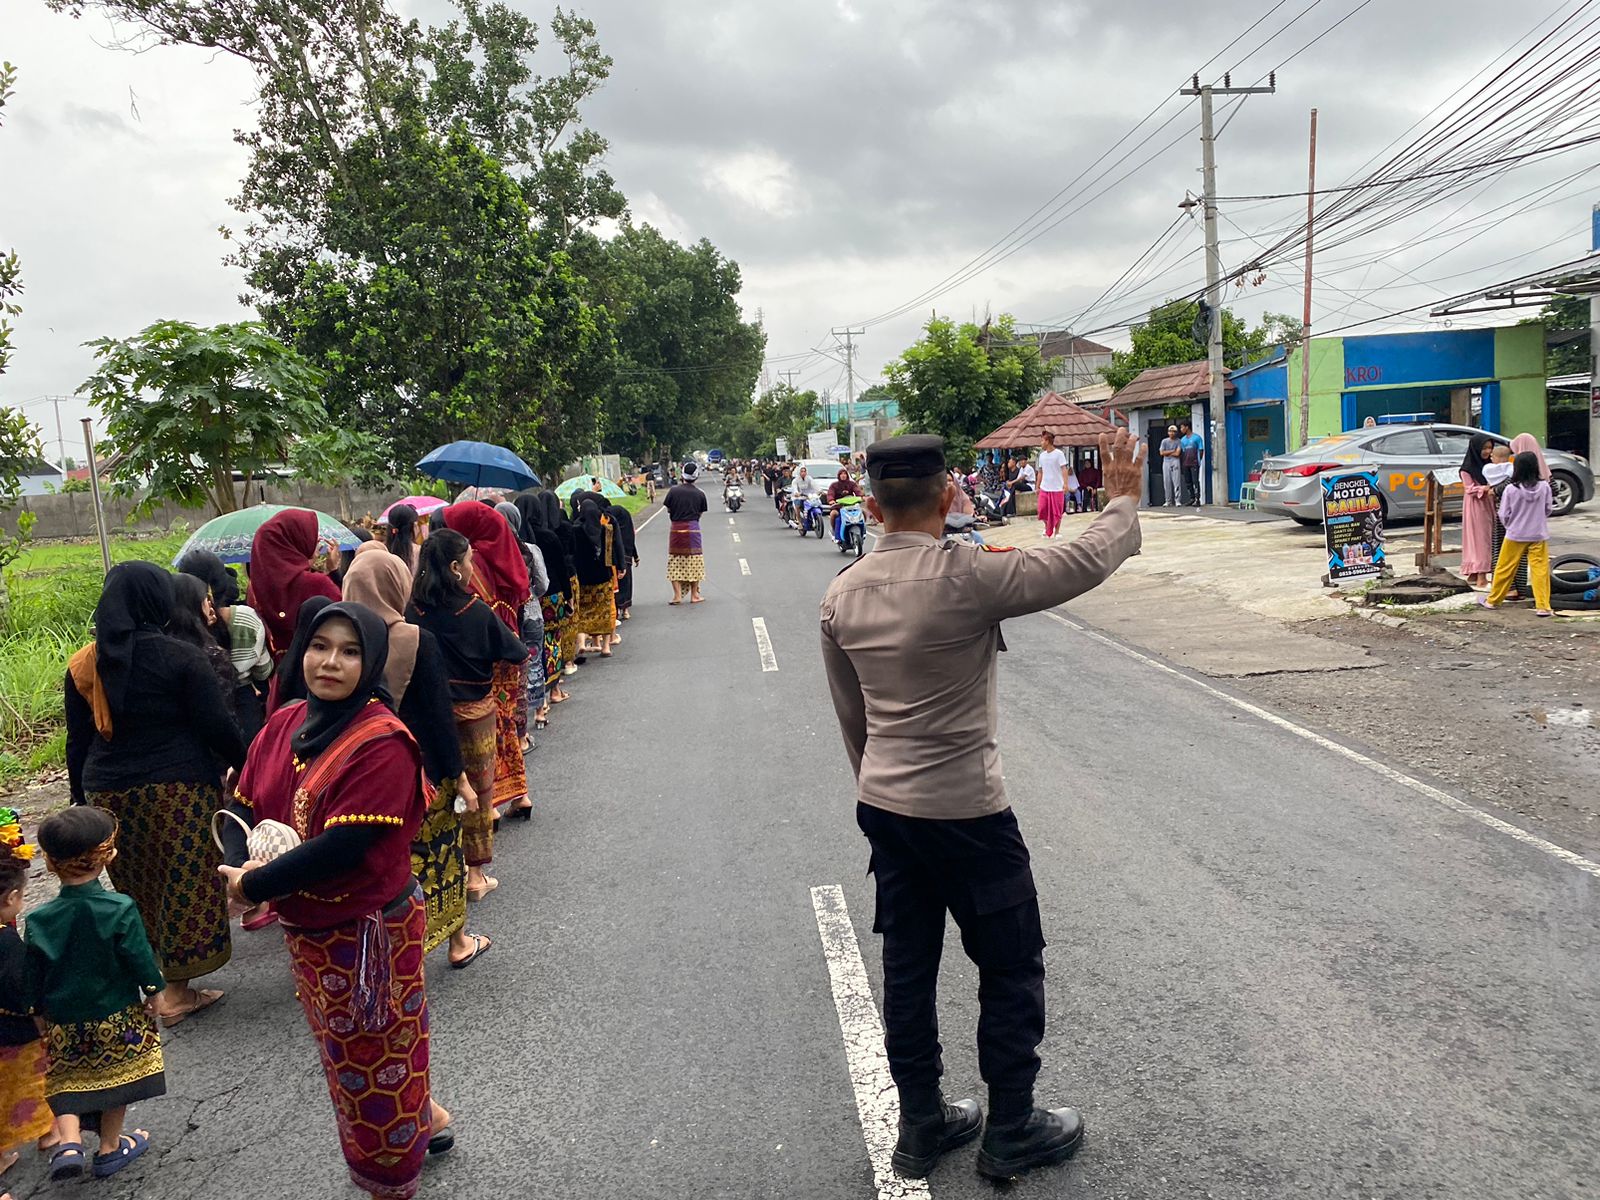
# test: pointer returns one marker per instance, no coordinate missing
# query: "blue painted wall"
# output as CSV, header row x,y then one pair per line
x,y
1398,359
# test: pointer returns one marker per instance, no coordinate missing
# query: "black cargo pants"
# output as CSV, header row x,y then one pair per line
x,y
977,870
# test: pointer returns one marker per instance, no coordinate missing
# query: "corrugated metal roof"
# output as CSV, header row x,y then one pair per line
x,y
1168,385
1071,425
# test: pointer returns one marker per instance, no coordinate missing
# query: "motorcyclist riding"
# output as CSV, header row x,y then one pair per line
x,y
842,486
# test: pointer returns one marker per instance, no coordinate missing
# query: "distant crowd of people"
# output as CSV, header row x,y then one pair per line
x,y
361,720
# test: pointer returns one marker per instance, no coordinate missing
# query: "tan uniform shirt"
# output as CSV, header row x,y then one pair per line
x,y
909,637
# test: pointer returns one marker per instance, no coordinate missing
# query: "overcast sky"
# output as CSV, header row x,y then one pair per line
x,y
849,154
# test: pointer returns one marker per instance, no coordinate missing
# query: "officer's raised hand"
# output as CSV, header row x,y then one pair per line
x,y
1122,464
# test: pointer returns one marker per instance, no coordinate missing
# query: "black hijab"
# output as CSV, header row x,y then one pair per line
x,y
623,520
1473,464
137,598
537,529
589,523
214,573
327,719
291,683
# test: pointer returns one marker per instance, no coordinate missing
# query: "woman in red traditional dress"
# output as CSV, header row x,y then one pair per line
x,y
500,580
281,578
343,771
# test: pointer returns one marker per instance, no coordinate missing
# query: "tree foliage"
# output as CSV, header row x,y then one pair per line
x,y
1168,338
19,438
962,381
410,196
1564,355
687,361
188,408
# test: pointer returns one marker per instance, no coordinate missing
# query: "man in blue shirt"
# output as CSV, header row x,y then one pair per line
x,y
1191,448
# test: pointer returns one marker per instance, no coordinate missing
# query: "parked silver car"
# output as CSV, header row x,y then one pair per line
x,y
1403,456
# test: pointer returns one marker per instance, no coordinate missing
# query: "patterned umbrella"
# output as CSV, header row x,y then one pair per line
x,y
581,483
229,536
423,504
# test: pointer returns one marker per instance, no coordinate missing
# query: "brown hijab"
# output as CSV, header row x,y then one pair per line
x,y
382,582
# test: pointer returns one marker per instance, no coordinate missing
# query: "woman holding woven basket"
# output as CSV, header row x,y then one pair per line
x,y
342,772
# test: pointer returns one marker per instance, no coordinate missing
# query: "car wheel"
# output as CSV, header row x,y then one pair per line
x,y
1566,493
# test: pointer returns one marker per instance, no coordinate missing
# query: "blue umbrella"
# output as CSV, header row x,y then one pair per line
x,y
480,464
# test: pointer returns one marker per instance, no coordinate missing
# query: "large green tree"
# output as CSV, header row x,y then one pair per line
x,y
1168,338
19,439
962,381
410,196
686,358
1567,355
197,415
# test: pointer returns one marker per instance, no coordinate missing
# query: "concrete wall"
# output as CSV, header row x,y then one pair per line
x,y
72,516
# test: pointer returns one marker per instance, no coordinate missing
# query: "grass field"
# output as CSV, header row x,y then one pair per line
x,y
54,587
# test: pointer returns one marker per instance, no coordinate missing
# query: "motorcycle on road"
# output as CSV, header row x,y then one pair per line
x,y
850,526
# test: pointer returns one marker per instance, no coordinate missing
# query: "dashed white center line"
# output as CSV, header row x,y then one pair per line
x,y
769,660
877,1102
744,566
730,520
734,536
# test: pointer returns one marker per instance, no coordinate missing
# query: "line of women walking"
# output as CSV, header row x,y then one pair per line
x,y
370,734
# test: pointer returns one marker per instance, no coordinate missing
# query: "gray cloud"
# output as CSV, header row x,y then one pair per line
x,y
848,153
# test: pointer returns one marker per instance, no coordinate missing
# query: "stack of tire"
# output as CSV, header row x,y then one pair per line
x,y
1575,583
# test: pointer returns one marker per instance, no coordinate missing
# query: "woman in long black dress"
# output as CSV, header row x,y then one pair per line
x,y
555,604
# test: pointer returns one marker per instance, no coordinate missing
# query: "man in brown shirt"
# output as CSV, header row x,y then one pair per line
x,y
909,637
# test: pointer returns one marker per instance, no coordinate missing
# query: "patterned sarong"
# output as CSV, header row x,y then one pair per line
x,y
24,1113
510,772
168,863
96,1065
569,626
377,1077
556,612
597,609
685,553
440,865
475,727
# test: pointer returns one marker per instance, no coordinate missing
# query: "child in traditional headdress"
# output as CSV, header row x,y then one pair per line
x,y
24,1114
96,978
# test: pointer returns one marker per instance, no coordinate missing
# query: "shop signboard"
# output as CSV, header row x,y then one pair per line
x,y
817,443
1352,525
783,447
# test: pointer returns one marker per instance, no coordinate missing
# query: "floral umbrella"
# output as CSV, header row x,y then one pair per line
x,y
229,536
581,483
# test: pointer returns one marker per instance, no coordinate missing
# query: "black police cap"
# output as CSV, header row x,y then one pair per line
x,y
914,456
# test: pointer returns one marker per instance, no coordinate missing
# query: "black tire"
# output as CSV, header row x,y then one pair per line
x,y
1567,492
1571,560
1569,603
1306,521
858,535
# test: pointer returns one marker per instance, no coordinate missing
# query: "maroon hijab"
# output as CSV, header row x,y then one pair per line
x,y
281,578
500,576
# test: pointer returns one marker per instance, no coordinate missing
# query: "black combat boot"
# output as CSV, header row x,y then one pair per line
x,y
1018,1140
929,1127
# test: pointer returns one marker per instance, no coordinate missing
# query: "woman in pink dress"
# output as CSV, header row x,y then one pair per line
x,y
1477,513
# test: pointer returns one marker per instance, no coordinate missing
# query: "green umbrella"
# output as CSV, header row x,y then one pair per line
x,y
581,483
229,536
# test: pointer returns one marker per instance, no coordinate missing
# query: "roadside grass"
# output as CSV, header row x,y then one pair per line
x,y
54,587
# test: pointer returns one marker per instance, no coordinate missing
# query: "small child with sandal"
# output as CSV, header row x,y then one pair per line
x,y
96,980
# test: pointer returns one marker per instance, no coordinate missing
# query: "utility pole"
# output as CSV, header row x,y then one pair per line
x,y
61,440
1208,139
788,377
1305,323
849,336
94,487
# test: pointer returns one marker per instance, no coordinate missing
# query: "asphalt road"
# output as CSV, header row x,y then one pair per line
x,y
1273,970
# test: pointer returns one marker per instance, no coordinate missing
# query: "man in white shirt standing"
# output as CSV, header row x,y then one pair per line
x,y
1052,485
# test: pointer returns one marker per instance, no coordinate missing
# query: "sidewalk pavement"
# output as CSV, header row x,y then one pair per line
x,y
1225,592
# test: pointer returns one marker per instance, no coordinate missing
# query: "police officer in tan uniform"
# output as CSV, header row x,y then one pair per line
x,y
909,637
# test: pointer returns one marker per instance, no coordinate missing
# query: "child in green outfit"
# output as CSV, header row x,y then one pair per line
x,y
95,977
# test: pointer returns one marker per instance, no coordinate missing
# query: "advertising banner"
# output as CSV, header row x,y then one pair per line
x,y
1352,525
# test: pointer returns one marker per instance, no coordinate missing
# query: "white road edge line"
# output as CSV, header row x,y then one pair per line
x,y
877,1102
1400,777
744,566
769,660
651,517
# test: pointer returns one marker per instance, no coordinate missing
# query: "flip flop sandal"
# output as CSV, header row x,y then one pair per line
x,y
442,1142
131,1147
267,916
480,946
71,1169
204,998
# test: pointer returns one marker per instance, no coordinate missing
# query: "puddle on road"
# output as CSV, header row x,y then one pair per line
x,y
1566,718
